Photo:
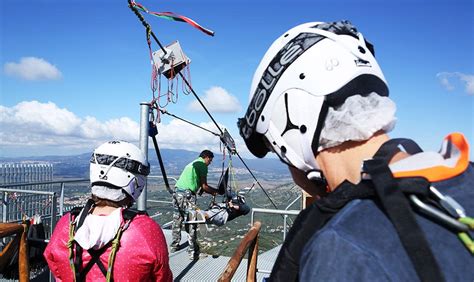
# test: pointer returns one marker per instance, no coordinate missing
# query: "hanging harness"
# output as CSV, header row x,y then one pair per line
x,y
75,250
393,194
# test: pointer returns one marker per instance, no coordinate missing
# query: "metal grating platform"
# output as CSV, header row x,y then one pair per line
x,y
210,268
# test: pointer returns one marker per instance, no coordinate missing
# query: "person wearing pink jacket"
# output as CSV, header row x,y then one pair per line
x,y
107,240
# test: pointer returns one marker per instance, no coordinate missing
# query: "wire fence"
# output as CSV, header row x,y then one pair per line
x,y
16,205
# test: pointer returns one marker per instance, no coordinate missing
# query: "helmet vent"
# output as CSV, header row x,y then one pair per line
x,y
263,118
286,35
361,49
303,128
283,149
302,76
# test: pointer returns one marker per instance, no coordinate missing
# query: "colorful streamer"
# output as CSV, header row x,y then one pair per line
x,y
173,17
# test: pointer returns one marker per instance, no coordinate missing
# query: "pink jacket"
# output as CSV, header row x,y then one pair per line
x,y
142,255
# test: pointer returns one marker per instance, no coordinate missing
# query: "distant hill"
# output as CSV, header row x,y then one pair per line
x,y
77,166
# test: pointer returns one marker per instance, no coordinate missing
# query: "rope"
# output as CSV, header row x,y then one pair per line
x,y
113,252
464,236
69,245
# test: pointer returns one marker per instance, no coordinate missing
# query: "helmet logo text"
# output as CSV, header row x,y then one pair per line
x,y
283,59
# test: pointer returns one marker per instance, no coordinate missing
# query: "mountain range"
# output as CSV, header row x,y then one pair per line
x,y
77,166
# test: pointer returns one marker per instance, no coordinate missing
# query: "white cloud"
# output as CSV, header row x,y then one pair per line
x,y
217,100
449,80
32,124
32,68
36,128
180,135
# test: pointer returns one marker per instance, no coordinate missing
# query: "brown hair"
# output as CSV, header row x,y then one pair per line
x,y
127,202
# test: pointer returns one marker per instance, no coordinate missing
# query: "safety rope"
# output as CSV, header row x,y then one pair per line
x,y
464,236
115,247
70,246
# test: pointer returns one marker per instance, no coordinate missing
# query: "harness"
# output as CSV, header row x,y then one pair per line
x,y
75,250
393,194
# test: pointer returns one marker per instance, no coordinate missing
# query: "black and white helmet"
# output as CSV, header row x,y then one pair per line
x,y
119,165
309,68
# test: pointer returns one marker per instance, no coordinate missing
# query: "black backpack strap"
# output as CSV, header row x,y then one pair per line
x,y
308,222
84,214
286,266
400,213
75,211
129,214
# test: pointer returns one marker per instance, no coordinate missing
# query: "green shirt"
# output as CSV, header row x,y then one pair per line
x,y
190,178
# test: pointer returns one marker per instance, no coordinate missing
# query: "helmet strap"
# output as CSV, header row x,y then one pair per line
x,y
110,166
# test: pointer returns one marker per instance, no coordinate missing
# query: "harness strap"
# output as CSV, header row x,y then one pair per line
x,y
310,220
95,259
76,262
75,258
400,213
314,217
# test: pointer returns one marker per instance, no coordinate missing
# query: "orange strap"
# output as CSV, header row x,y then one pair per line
x,y
439,173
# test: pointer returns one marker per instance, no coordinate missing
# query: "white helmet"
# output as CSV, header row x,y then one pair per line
x,y
118,165
309,68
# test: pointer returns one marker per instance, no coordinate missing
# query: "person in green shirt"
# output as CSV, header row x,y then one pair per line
x,y
192,181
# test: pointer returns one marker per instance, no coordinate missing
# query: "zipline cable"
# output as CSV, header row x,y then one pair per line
x,y
200,102
187,121
251,173
150,32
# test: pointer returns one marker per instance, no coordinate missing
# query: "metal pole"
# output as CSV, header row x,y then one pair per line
x,y
251,217
285,224
54,212
61,200
4,207
144,127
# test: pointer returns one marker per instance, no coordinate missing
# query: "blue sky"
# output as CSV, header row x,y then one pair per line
x,y
74,72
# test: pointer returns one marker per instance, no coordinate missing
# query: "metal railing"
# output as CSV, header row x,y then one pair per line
x,y
53,212
285,224
272,211
285,212
19,204
170,223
